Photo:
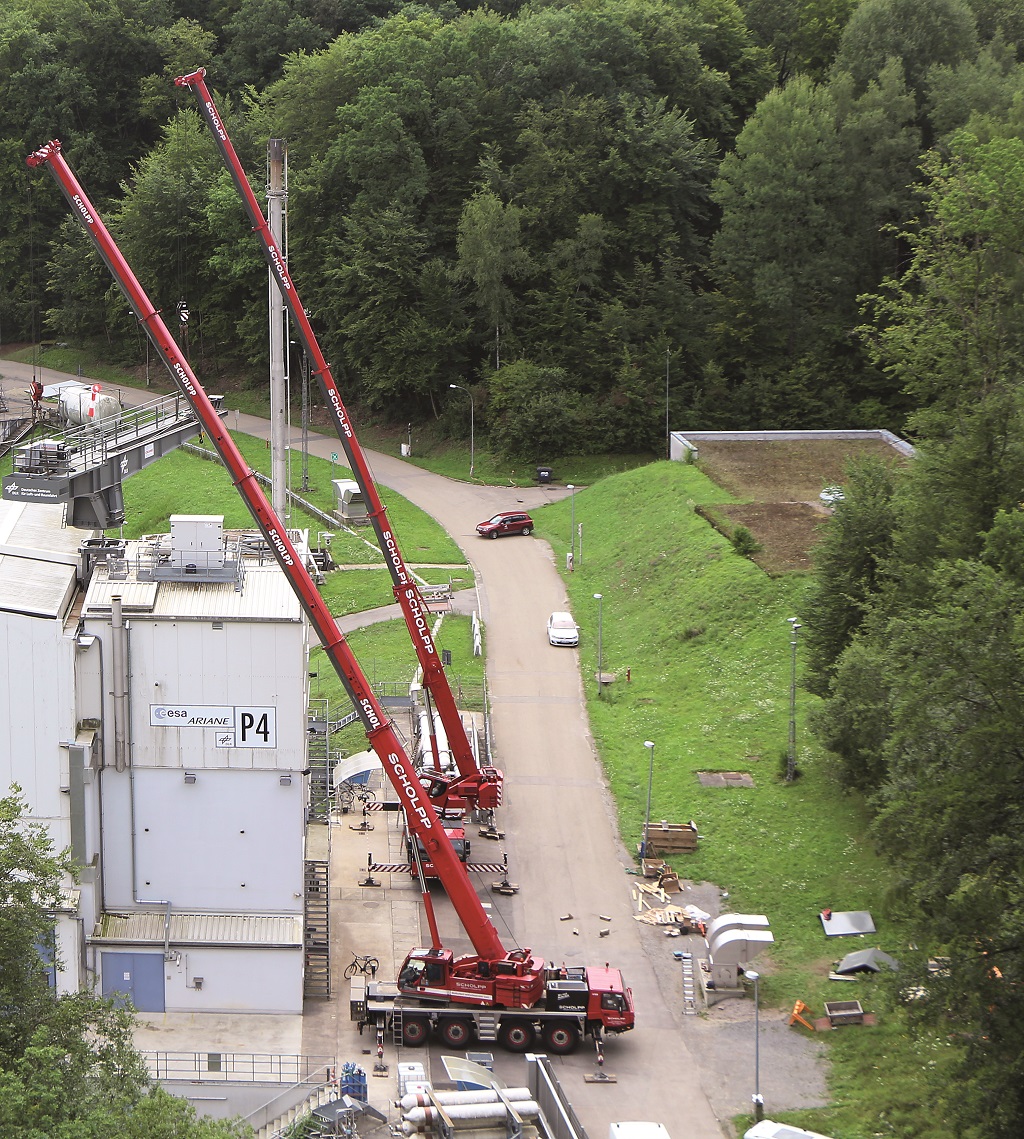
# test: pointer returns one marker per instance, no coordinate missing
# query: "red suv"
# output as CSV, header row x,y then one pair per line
x,y
507,522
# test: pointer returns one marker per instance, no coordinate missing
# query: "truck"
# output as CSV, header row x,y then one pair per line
x,y
473,784
520,1005
438,988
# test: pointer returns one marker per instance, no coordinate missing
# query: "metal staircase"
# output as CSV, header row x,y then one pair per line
x,y
317,929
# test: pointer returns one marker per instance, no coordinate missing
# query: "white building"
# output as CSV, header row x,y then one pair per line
x,y
153,708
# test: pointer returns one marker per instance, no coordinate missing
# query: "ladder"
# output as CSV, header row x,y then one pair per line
x,y
486,1026
316,980
689,986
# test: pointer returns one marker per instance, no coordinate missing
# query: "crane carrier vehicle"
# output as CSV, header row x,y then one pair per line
x,y
473,787
508,995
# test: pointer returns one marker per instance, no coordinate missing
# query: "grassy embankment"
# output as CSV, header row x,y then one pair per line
x,y
703,634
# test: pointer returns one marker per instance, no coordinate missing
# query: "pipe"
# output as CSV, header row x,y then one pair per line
x,y
465,1115
118,645
479,1095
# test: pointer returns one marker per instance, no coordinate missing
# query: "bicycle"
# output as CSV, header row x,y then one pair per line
x,y
368,965
348,792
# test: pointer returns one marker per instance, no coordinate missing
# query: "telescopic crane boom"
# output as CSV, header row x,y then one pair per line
x,y
479,786
380,731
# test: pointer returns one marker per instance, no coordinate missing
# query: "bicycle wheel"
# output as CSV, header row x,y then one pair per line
x,y
351,969
371,965
367,795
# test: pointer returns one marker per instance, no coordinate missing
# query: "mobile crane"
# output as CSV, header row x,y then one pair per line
x,y
475,786
502,994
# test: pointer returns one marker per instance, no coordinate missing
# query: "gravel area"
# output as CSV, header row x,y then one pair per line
x,y
792,1066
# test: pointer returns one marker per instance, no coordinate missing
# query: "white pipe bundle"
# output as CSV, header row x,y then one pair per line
x,y
466,1115
478,1095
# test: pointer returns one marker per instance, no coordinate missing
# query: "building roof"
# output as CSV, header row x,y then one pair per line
x,y
150,927
265,596
38,559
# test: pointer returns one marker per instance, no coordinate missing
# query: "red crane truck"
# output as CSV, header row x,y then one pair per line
x,y
474,786
508,995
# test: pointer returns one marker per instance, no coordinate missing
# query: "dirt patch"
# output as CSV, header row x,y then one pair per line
x,y
791,470
786,531
781,481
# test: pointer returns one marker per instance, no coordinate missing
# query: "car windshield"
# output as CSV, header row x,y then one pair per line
x,y
496,518
562,621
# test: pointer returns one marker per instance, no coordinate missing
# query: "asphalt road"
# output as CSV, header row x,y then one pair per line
x,y
562,838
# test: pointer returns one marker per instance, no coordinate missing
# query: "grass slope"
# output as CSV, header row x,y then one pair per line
x,y
703,636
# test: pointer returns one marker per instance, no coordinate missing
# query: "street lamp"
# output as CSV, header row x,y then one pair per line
x,y
649,744
757,1099
472,413
600,669
572,524
791,755
668,433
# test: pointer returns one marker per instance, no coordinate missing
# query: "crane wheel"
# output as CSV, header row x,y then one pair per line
x,y
456,1033
415,1031
516,1037
560,1038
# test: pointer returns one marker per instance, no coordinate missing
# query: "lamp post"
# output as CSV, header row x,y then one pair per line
x,y
472,413
668,434
649,744
756,1098
600,667
572,523
795,626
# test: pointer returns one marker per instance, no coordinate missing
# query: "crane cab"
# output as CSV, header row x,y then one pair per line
x,y
437,975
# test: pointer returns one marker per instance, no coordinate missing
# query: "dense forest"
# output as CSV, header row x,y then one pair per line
x,y
808,215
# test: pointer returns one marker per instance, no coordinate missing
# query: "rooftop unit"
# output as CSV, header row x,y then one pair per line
x,y
196,550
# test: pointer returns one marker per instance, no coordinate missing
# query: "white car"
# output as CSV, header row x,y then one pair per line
x,y
831,495
768,1129
563,630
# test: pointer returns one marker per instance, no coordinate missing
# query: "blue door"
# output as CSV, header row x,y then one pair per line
x,y
135,977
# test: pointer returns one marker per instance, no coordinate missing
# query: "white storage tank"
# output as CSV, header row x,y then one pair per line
x,y
84,406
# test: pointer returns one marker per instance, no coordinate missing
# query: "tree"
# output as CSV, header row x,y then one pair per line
x,y
950,329
537,412
956,672
803,39
781,254
491,258
850,565
400,323
919,33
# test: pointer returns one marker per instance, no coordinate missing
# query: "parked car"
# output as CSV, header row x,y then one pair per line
x,y
507,522
831,495
768,1129
563,630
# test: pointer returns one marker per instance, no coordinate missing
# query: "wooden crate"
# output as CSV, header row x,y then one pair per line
x,y
665,838
844,1012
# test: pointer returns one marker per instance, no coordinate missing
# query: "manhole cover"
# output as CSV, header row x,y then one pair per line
x,y
725,779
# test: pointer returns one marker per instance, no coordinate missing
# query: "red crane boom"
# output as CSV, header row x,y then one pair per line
x,y
380,731
480,786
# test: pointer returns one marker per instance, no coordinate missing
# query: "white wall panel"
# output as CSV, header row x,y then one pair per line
x,y
235,980
230,842
36,715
